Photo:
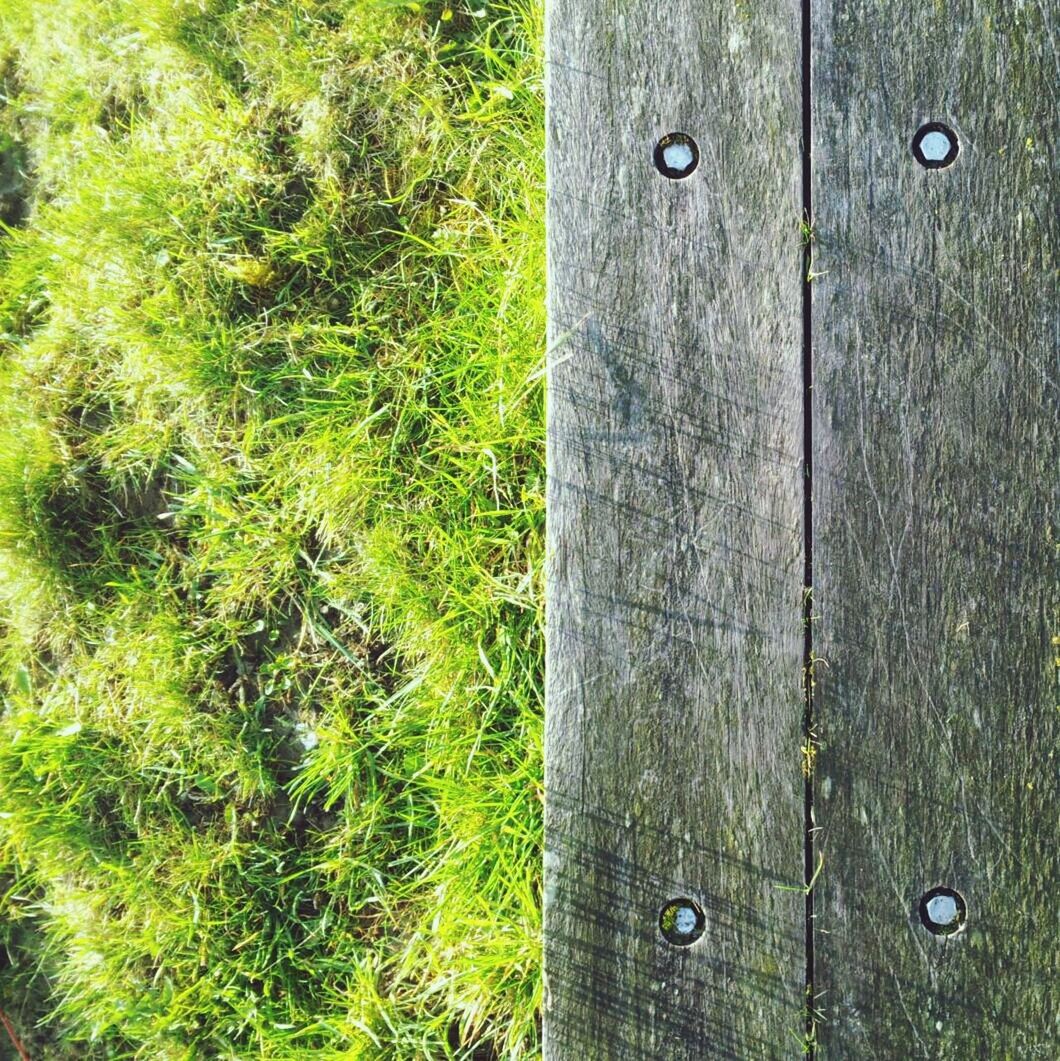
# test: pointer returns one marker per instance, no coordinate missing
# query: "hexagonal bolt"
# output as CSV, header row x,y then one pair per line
x,y
682,921
943,911
676,156
935,146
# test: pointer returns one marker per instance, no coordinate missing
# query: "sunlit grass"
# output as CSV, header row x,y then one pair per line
x,y
271,509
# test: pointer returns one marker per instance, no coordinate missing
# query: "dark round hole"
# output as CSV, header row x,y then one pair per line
x,y
682,921
942,911
676,155
935,145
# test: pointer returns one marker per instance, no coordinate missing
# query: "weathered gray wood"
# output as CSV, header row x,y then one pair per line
x,y
935,482
674,587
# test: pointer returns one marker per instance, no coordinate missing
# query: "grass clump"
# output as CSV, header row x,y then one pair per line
x,y
271,509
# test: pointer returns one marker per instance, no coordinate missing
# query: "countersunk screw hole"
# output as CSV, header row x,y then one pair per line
x,y
682,921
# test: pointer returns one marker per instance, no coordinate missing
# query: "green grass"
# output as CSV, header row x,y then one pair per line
x,y
271,513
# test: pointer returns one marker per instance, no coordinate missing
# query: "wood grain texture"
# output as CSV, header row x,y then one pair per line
x,y
675,560
935,487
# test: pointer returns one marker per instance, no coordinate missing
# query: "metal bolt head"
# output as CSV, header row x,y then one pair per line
x,y
942,911
676,156
682,921
935,146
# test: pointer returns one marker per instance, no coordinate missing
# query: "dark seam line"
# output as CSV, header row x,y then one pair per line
x,y
807,511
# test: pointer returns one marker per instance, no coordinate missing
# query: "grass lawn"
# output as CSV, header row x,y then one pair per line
x,y
271,522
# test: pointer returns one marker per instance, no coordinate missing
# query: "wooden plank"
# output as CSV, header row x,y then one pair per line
x,y
675,567
935,483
